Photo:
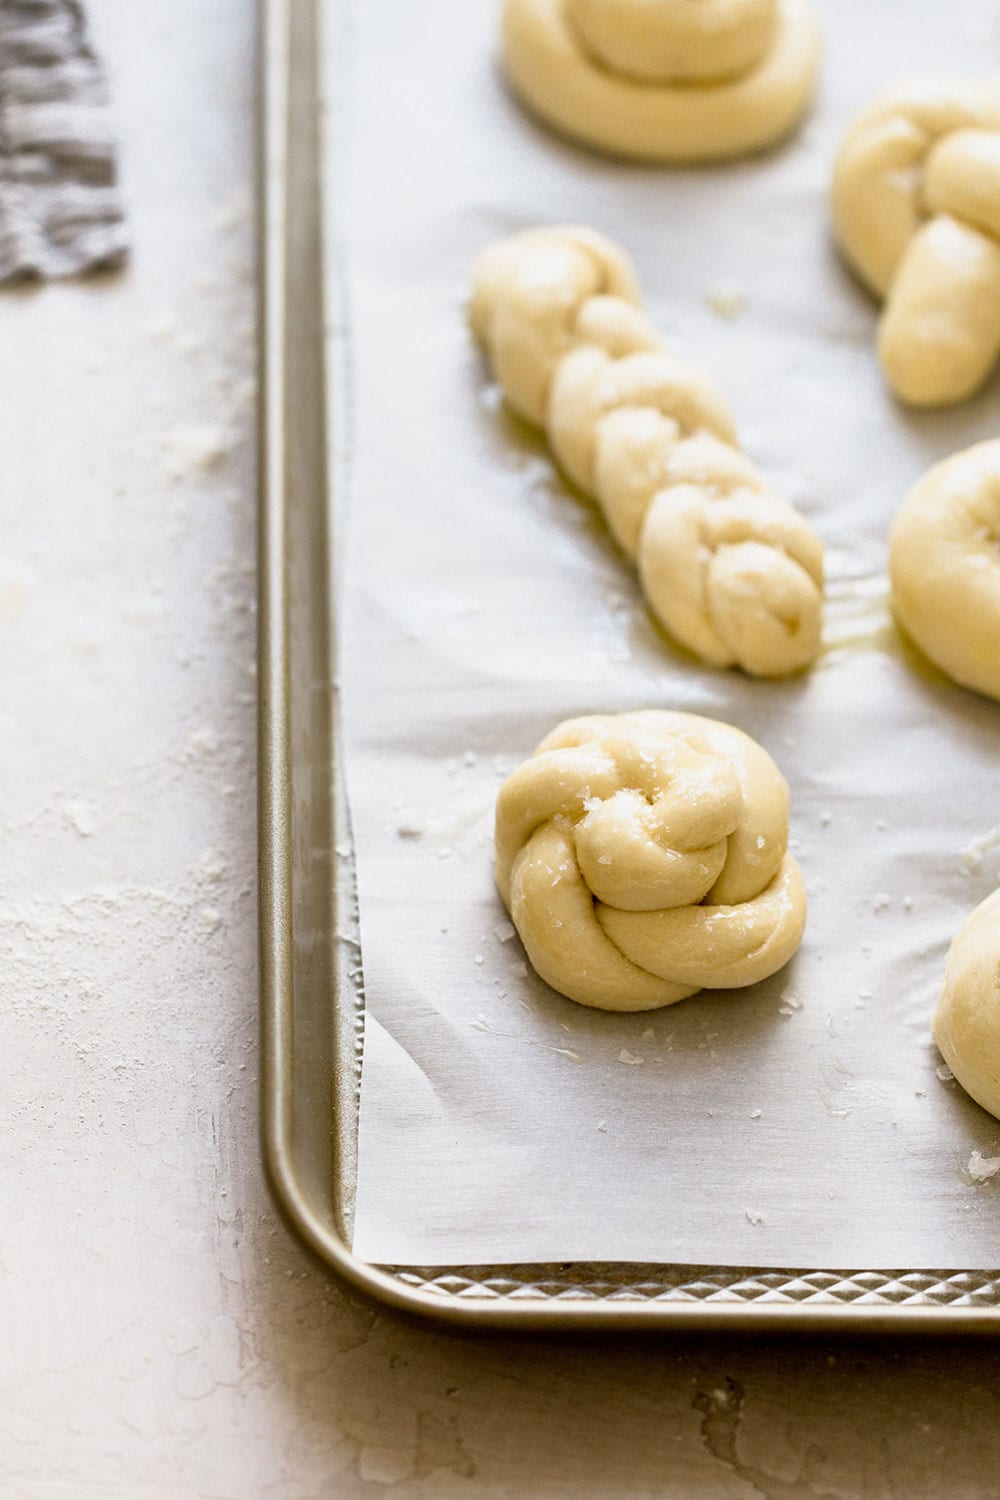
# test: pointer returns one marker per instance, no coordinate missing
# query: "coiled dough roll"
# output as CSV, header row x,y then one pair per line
x,y
730,570
944,562
644,856
916,206
664,80
967,1019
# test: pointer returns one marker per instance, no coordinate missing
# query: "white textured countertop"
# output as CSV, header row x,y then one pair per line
x,y
161,1336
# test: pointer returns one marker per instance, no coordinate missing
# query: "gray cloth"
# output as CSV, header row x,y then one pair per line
x,y
60,212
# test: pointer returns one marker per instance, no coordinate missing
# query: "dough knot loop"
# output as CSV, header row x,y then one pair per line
x,y
916,203
643,856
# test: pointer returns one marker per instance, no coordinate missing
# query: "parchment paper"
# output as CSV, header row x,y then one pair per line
x,y
800,1123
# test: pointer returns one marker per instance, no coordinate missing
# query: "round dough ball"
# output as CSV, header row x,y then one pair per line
x,y
916,208
967,1019
644,856
944,562
664,80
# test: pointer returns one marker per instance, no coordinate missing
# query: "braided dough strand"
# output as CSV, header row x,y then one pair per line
x,y
730,570
644,856
916,206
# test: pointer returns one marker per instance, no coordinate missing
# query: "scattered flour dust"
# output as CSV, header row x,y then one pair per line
x,y
84,931
81,816
195,448
17,585
162,325
203,743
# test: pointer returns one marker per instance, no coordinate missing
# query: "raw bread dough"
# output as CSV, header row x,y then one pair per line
x,y
732,571
967,1019
944,562
643,856
664,80
916,205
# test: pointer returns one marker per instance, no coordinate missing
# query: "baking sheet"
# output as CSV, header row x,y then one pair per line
x,y
803,1122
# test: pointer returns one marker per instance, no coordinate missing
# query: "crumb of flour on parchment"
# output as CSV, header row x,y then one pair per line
x,y
728,299
81,816
410,825
196,448
790,1003
982,1168
973,854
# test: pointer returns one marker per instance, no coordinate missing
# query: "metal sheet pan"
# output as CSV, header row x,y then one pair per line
x,y
311,966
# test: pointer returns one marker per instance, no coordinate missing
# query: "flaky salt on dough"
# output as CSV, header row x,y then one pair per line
x,y
644,856
944,562
916,206
967,1019
732,571
664,80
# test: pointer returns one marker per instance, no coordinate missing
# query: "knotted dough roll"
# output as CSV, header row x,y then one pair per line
x,y
916,206
944,562
730,570
967,1019
644,856
664,80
